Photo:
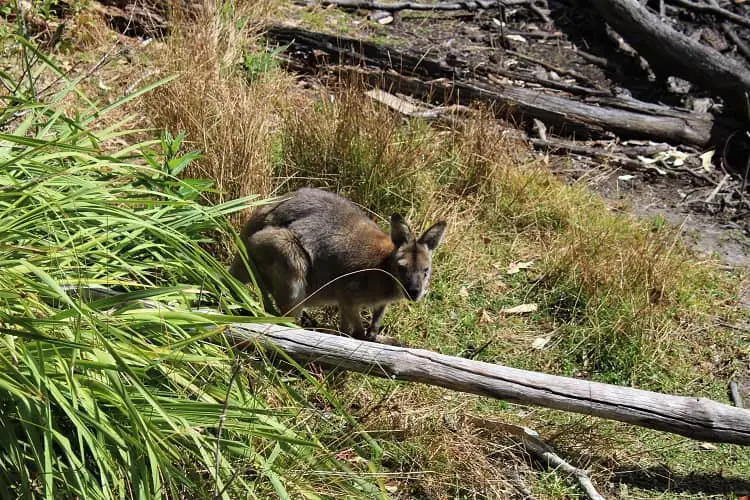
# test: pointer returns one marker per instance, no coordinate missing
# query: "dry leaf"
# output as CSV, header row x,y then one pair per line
x,y
709,446
516,38
706,160
521,309
540,342
517,266
463,292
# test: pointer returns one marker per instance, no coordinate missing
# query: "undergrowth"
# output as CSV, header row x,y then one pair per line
x,y
618,299
111,385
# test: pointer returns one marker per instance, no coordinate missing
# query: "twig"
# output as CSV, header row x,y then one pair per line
x,y
629,51
556,69
599,61
522,488
718,187
742,47
734,391
541,12
514,75
716,10
571,147
541,450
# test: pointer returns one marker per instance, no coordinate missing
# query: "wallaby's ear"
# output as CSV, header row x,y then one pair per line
x,y
400,232
433,236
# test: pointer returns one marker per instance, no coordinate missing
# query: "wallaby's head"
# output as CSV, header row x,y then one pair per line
x,y
412,257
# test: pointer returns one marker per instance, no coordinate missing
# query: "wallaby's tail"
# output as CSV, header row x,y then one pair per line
x,y
239,270
255,223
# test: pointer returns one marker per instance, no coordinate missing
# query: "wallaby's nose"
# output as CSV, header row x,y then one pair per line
x,y
413,293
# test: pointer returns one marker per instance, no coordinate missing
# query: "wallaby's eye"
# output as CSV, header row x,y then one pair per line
x,y
426,271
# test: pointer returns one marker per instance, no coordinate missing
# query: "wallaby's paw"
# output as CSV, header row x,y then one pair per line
x,y
386,340
307,321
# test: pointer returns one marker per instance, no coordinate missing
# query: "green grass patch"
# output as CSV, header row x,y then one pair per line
x,y
108,397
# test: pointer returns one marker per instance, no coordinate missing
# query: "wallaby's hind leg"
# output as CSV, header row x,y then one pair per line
x,y
377,320
351,321
282,266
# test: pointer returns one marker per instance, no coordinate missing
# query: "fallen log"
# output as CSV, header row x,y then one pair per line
x,y
399,71
696,418
674,54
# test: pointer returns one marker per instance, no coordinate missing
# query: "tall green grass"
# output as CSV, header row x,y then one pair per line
x,y
101,396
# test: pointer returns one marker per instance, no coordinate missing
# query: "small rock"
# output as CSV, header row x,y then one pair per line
x,y
381,17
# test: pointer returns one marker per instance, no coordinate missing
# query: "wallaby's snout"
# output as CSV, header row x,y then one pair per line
x,y
316,248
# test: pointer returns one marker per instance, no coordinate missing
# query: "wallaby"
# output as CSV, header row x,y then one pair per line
x,y
315,248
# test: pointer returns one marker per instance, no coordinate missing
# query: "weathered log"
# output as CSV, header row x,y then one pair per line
x,y
672,53
696,418
628,118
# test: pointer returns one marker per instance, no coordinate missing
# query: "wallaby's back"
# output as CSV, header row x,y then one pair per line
x,y
331,233
335,233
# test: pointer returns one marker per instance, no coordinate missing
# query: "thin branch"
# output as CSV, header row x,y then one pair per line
x,y
537,447
733,37
715,10
557,69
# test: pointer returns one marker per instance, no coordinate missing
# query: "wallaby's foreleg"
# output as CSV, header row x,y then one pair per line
x,y
377,320
351,321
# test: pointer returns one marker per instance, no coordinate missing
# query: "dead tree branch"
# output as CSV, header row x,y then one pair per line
x,y
538,448
402,72
696,418
676,54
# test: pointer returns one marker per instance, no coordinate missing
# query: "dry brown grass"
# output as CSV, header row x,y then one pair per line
x,y
232,121
349,144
